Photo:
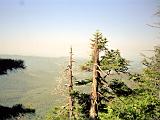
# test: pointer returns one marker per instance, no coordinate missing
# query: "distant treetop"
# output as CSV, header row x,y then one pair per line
x,y
9,64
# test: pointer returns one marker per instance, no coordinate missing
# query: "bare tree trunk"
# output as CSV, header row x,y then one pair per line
x,y
70,86
94,87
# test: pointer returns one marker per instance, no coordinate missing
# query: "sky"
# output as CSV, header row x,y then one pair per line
x,y
49,27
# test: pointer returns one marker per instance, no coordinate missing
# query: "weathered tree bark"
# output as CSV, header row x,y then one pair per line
x,y
94,87
70,86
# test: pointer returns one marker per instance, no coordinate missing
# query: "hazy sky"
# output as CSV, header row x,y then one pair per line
x,y
49,27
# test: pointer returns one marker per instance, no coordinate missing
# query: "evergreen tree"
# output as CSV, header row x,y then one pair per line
x,y
151,71
104,62
143,103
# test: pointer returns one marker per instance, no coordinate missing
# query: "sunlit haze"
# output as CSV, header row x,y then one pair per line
x,y
50,27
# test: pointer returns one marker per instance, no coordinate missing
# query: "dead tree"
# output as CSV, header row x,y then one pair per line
x,y
94,86
70,85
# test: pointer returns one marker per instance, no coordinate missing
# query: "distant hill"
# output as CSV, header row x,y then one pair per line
x,y
34,61
36,86
135,65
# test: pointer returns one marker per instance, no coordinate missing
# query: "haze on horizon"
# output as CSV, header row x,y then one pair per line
x,y
49,27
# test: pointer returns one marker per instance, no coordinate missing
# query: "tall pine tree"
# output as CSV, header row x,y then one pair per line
x,y
103,63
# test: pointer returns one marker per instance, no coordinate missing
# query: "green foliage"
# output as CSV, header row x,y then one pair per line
x,y
83,82
100,39
14,111
152,64
120,88
144,103
87,66
57,113
152,70
82,101
81,108
112,60
135,77
142,106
